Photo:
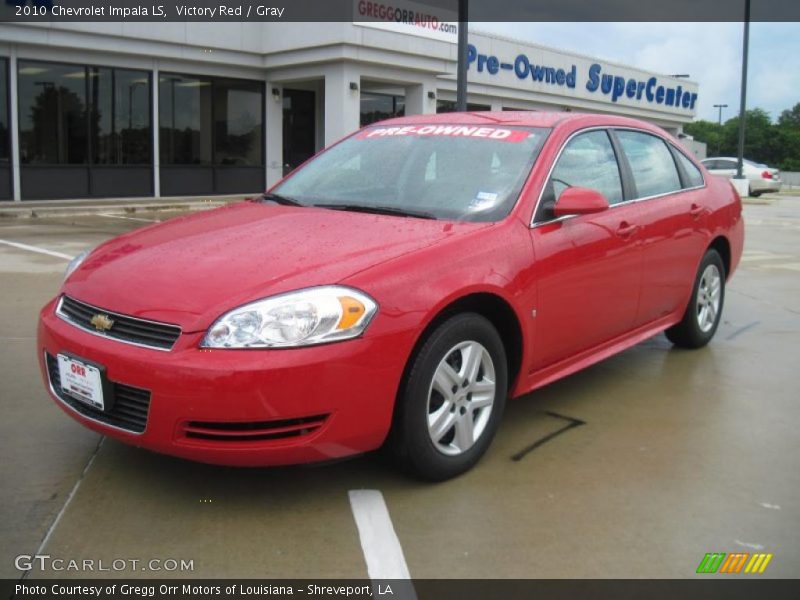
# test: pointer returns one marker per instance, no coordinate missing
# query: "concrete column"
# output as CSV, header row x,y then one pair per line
x,y
14,124
417,100
342,104
156,129
497,105
274,133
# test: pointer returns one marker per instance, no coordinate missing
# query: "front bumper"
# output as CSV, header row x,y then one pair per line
x,y
239,407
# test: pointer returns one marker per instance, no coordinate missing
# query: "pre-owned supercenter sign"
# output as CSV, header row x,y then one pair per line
x,y
596,81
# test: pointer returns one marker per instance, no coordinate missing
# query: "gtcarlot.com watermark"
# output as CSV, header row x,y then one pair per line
x,y
46,562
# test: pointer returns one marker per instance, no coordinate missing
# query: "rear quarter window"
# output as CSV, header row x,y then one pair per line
x,y
654,170
694,178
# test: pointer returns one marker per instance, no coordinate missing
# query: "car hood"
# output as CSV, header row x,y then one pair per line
x,y
190,270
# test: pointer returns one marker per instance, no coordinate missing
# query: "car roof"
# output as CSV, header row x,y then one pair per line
x,y
525,118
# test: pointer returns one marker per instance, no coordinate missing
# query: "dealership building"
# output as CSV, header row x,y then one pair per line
x,y
138,109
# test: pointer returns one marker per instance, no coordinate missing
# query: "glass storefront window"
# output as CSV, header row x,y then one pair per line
x,y
209,121
238,122
52,113
74,114
377,107
120,123
101,84
448,106
185,118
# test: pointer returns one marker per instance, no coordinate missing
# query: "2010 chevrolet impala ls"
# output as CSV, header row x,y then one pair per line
x,y
394,290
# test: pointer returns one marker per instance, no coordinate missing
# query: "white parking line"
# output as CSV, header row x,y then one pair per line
x,y
67,502
129,218
36,249
382,551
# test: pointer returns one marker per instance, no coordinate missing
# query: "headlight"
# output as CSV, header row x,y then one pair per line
x,y
75,263
312,316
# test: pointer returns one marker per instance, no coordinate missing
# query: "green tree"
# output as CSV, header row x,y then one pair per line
x,y
789,142
705,131
790,118
775,144
759,140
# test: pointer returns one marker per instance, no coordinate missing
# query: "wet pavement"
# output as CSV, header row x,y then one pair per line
x,y
672,454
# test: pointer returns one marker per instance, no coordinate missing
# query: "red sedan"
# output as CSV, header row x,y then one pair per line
x,y
395,289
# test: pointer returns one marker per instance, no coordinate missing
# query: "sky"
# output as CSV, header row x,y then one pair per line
x,y
710,53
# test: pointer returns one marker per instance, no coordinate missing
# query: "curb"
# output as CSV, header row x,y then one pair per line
x,y
115,208
759,201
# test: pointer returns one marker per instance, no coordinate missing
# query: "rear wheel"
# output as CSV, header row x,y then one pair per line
x,y
452,400
702,316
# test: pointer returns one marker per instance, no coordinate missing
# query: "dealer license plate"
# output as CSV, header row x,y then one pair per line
x,y
81,381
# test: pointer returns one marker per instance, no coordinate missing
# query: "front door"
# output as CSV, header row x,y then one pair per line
x,y
299,128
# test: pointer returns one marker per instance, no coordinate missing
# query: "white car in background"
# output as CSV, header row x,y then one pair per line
x,y
761,177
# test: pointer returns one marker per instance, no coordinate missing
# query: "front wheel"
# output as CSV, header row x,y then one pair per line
x,y
452,399
702,315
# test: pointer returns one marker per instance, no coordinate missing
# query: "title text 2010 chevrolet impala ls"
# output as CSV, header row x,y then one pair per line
x,y
395,289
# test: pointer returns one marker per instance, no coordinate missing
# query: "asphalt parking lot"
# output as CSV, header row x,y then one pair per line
x,y
680,453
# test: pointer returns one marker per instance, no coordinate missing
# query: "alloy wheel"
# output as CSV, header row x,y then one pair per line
x,y
460,398
709,294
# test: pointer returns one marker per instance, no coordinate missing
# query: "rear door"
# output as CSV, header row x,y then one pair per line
x,y
588,268
671,195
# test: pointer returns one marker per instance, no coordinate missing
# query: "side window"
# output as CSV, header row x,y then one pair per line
x,y
726,164
693,174
709,164
588,161
653,167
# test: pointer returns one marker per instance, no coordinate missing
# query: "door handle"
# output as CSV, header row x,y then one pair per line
x,y
696,210
626,230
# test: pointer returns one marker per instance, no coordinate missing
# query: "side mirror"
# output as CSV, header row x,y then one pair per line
x,y
580,201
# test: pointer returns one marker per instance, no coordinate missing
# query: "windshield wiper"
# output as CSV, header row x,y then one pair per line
x,y
278,199
379,210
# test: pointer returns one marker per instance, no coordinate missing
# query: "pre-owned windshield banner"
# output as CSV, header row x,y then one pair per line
x,y
501,134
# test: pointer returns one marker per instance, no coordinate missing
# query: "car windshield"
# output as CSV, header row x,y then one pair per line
x,y
452,172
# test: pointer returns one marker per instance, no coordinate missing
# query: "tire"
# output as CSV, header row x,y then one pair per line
x,y
446,418
702,315
755,194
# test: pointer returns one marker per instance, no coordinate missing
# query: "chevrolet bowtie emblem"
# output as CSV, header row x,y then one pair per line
x,y
102,322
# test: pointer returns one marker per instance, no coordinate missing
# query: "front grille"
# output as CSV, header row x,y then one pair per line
x,y
252,431
129,409
125,328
